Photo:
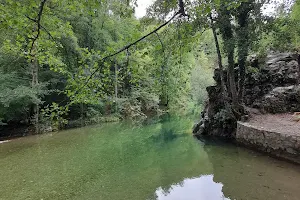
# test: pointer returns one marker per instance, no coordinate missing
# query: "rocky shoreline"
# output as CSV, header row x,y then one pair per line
x,y
271,87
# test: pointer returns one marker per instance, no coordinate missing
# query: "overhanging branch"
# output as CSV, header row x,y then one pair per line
x,y
181,12
127,47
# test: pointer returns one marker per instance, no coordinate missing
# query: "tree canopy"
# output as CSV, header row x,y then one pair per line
x,y
65,60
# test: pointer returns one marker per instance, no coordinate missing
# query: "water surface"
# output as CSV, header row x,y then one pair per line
x,y
159,161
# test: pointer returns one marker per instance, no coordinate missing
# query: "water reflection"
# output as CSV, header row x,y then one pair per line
x,y
248,175
126,162
202,188
167,135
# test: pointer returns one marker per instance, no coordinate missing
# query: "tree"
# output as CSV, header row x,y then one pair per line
x,y
32,37
69,52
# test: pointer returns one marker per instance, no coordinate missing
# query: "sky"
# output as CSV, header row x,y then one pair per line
x,y
143,4
140,11
270,8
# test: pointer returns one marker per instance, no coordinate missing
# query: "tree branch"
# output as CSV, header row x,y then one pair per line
x,y
34,20
181,8
38,21
127,47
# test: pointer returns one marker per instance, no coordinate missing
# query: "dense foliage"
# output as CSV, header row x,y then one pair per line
x,y
52,66
60,59
282,32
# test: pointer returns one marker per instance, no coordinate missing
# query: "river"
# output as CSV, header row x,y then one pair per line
x,y
158,161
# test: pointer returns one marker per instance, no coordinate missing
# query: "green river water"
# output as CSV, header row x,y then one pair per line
x,y
158,161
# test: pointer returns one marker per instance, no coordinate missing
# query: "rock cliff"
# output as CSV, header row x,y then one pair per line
x,y
271,87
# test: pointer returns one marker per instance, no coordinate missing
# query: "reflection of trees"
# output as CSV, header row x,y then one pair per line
x,y
169,157
224,159
177,156
172,164
167,134
249,175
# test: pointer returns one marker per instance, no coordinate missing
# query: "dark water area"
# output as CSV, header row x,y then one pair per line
x,y
157,161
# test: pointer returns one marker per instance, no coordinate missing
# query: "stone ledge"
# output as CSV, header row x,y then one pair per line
x,y
278,144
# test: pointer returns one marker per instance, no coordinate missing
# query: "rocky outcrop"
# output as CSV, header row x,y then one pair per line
x,y
281,100
215,121
278,70
269,87
277,143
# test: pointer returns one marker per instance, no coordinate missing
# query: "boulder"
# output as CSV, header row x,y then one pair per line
x,y
281,100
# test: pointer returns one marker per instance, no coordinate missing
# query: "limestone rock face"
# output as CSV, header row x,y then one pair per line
x,y
270,86
281,100
279,70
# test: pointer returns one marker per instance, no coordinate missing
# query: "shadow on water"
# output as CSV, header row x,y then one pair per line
x,y
166,135
166,117
168,130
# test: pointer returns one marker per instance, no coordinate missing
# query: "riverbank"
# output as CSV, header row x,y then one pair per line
x,y
13,131
275,134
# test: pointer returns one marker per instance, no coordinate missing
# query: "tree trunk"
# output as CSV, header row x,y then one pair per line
x,y
126,75
299,69
223,85
34,62
243,45
242,77
116,86
34,85
226,29
81,115
231,78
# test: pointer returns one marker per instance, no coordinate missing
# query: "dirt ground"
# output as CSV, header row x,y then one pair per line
x,y
282,123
